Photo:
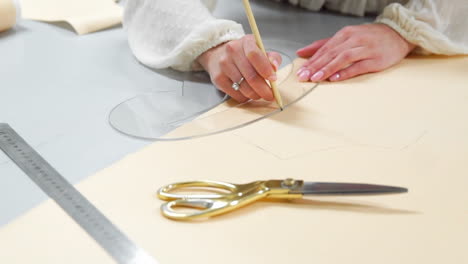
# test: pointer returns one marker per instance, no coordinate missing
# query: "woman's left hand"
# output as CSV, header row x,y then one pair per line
x,y
352,51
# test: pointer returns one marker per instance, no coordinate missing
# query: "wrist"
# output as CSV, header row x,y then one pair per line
x,y
205,58
410,46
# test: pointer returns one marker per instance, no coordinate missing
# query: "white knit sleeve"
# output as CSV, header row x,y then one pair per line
x,y
435,26
173,33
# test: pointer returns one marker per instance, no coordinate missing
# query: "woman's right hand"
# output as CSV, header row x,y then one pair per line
x,y
236,59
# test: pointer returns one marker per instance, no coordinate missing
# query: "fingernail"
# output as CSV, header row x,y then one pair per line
x,y
317,76
273,78
275,63
335,77
304,76
298,73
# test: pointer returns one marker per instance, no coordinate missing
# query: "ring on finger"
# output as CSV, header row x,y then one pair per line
x,y
236,85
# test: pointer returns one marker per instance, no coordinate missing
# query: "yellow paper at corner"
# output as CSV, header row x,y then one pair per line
x,y
7,15
427,225
85,16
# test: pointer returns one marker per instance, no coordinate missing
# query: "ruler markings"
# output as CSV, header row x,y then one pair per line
x,y
83,212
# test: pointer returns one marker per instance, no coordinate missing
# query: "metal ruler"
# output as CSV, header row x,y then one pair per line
x,y
108,236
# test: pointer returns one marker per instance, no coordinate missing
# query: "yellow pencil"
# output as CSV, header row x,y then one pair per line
x,y
258,38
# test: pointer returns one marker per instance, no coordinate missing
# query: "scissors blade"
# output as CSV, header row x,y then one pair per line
x,y
329,188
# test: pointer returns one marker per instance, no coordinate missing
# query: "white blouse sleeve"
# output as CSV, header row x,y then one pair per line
x,y
173,33
435,26
349,7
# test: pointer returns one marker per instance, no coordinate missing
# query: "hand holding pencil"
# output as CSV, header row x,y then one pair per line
x,y
242,70
258,38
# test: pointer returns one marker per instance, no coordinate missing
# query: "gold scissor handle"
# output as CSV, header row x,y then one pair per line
x,y
201,208
207,205
166,193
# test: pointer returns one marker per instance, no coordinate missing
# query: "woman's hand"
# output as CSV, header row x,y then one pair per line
x,y
353,51
231,61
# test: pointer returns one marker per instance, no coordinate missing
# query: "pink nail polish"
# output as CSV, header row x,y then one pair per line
x,y
304,76
335,77
317,76
276,64
298,73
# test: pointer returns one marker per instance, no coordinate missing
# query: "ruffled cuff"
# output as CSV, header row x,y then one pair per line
x,y
204,37
162,50
418,28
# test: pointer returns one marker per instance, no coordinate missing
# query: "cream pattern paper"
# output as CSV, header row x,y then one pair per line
x,y
427,225
85,16
7,14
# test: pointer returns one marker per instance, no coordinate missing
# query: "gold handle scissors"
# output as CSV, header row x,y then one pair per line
x,y
226,197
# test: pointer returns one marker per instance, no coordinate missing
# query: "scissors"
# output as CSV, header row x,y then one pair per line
x,y
225,197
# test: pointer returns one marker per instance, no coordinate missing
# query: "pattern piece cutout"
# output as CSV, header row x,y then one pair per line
x,y
85,16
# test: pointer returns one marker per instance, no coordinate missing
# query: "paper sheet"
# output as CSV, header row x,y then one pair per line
x,y
7,14
85,16
366,111
386,110
427,225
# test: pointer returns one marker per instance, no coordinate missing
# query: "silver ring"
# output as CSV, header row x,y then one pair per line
x,y
236,85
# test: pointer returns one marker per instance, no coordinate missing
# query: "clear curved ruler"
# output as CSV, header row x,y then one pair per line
x,y
85,214
201,109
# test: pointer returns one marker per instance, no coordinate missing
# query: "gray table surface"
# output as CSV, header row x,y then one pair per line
x,y
57,89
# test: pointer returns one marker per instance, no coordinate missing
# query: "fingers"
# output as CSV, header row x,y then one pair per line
x,y
329,46
225,84
246,90
258,59
310,50
358,68
255,81
239,59
314,70
275,59
345,59
325,66
230,69
236,51
352,51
